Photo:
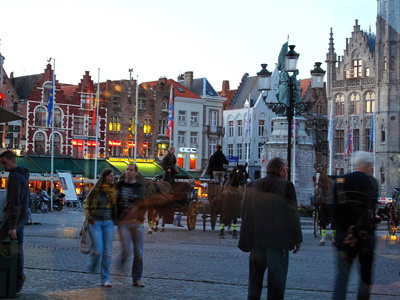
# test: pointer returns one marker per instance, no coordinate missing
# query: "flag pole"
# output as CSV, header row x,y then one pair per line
x,y
52,135
330,140
352,145
136,117
97,125
294,151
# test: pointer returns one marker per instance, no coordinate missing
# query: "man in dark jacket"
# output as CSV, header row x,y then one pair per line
x,y
169,165
270,229
130,217
355,198
17,209
216,164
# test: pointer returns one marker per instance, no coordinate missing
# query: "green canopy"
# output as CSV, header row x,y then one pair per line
x,y
60,164
88,166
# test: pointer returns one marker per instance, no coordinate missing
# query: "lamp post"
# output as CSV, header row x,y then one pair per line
x,y
289,103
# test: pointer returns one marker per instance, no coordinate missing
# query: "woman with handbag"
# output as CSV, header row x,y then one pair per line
x,y
99,208
169,165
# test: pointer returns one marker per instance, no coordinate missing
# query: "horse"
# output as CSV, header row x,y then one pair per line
x,y
322,192
230,198
158,196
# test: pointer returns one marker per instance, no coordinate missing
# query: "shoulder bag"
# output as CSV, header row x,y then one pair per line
x,y
85,245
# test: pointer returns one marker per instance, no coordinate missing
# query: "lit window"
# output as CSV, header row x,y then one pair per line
x,y
355,103
339,104
369,102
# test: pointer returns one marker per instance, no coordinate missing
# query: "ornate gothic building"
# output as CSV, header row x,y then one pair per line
x,y
363,89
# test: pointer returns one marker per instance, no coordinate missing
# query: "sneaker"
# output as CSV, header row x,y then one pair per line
x,y
180,225
162,229
106,284
149,231
138,283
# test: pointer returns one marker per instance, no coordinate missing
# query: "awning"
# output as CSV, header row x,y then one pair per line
x,y
60,164
26,163
7,116
88,166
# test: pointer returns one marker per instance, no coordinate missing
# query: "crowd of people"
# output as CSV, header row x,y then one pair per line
x,y
270,222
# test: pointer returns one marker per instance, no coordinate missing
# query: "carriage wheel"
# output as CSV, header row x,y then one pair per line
x,y
315,222
192,215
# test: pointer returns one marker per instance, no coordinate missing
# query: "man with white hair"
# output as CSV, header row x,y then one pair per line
x,y
355,198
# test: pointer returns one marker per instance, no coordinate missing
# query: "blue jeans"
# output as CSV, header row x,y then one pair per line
x,y
345,260
20,259
133,234
277,262
102,233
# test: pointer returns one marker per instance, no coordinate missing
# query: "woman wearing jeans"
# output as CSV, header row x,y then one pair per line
x,y
99,210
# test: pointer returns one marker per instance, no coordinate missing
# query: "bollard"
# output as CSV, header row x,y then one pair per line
x,y
8,268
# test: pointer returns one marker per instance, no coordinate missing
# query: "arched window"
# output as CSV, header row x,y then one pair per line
x,y
355,103
57,144
39,143
369,102
57,117
40,116
339,104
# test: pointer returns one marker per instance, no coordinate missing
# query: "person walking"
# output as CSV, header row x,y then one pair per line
x,y
169,165
99,209
16,209
355,196
216,164
131,209
270,229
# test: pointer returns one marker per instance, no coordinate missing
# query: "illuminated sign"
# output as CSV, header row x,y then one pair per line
x,y
115,143
77,143
188,150
131,144
91,143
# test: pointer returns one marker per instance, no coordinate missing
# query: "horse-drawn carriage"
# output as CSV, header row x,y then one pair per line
x,y
164,200
225,200
322,202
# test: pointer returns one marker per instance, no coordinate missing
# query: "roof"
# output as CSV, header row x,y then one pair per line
x,y
179,89
202,87
230,94
304,85
68,89
24,84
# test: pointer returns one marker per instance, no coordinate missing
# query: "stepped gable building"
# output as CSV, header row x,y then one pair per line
x,y
10,101
363,86
73,112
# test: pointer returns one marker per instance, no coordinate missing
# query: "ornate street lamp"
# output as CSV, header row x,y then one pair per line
x,y
23,143
264,81
289,103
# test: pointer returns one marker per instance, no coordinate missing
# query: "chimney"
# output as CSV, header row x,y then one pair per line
x,y
188,80
225,87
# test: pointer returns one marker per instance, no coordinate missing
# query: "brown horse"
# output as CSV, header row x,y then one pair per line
x,y
158,196
230,199
323,203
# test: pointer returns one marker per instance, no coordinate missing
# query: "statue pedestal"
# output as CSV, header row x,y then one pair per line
x,y
302,155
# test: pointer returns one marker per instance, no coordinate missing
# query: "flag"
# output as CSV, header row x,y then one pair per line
x,y
330,132
51,101
281,58
94,118
349,140
171,113
247,124
371,137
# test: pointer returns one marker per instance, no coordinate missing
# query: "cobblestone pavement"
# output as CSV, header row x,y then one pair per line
x,y
183,264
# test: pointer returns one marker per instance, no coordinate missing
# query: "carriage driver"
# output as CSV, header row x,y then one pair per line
x,y
216,164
